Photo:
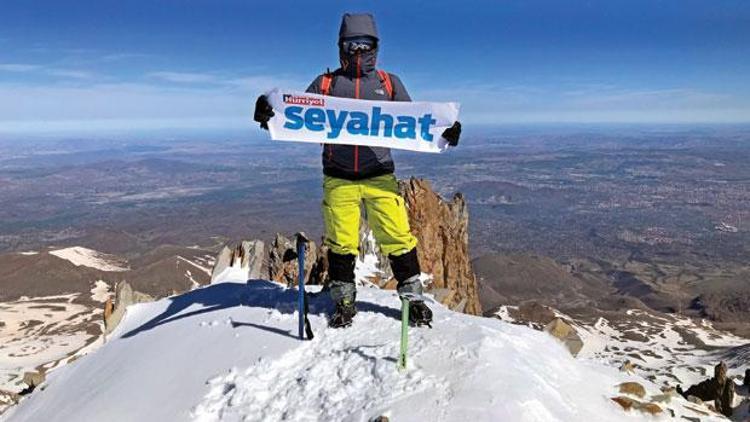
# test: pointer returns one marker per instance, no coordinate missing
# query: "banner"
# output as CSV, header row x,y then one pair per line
x,y
414,126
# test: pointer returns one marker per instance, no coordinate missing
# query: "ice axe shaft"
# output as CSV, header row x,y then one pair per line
x,y
304,322
404,334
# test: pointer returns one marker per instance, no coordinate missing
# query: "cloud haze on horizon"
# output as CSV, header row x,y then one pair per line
x,y
196,64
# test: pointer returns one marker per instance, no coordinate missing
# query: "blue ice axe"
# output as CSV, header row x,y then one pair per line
x,y
304,322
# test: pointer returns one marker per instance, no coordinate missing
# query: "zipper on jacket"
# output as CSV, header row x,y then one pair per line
x,y
356,95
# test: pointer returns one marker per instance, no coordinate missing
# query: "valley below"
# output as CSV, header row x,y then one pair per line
x,y
637,237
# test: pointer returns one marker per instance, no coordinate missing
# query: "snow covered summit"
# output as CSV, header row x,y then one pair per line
x,y
228,351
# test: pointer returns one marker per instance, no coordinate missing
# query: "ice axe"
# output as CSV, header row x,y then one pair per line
x,y
304,322
404,333
406,299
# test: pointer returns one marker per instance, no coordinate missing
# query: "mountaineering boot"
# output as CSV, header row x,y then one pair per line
x,y
419,314
407,271
341,288
342,316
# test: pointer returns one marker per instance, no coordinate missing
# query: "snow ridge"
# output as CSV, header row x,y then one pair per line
x,y
466,368
229,352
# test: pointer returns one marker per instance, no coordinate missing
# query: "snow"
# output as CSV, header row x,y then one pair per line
x,y
29,253
711,336
666,357
100,292
504,313
38,331
81,256
667,349
199,267
365,268
229,351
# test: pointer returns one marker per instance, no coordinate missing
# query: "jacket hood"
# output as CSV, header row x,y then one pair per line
x,y
357,25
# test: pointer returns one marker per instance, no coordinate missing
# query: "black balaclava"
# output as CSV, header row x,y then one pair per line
x,y
358,25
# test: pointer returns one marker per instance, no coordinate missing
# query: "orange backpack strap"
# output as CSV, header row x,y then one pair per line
x,y
325,84
385,78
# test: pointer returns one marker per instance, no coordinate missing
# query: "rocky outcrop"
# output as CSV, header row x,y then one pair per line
x,y
223,261
533,313
109,307
720,388
628,367
442,228
247,254
319,271
282,260
124,297
566,334
632,388
252,258
724,402
32,381
7,399
628,403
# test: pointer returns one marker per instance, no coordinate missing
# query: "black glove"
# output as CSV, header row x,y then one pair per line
x,y
263,111
452,134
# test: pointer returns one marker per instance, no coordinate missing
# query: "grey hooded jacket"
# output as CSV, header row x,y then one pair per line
x,y
358,78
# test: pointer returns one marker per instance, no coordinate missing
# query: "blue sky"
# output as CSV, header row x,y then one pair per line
x,y
98,65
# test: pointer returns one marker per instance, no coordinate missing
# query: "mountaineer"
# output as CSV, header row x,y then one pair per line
x,y
359,174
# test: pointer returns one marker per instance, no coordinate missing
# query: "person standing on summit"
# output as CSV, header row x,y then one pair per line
x,y
354,174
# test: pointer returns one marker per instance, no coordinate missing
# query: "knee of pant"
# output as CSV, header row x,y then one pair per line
x,y
342,248
390,226
341,267
396,245
342,230
405,266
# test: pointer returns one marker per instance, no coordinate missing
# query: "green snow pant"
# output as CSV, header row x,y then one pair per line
x,y
386,216
385,209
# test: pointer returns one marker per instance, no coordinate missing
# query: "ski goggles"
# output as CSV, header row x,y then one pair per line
x,y
358,45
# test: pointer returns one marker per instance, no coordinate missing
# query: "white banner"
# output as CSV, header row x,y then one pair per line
x,y
415,126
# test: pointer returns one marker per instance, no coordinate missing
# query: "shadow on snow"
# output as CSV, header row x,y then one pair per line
x,y
254,293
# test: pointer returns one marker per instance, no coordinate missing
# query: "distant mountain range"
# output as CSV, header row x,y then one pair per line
x,y
624,235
